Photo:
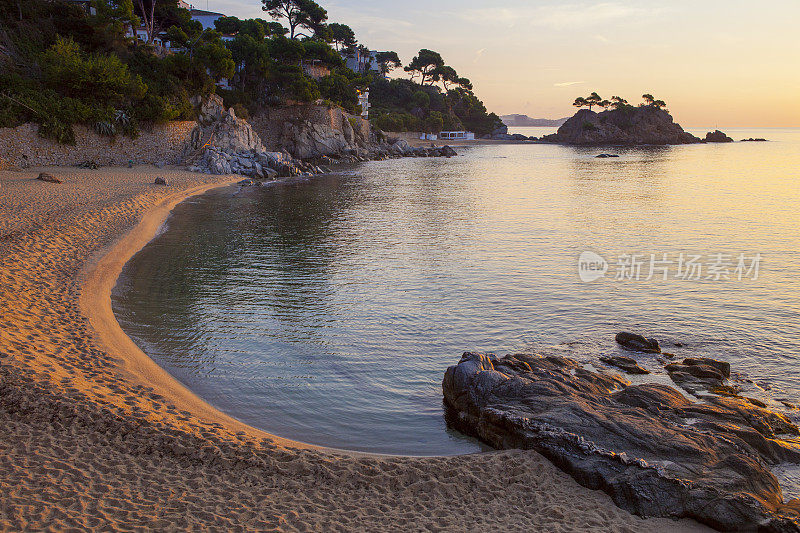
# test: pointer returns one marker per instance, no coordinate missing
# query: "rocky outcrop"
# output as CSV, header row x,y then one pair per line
x,y
717,136
625,126
655,452
626,364
637,343
312,131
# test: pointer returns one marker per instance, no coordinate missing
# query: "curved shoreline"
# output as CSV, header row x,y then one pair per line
x,y
98,279
94,435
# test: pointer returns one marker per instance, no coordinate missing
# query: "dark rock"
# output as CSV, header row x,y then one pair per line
x,y
446,151
651,449
698,371
723,367
625,363
637,343
245,183
717,137
160,181
606,156
49,178
500,130
754,140
624,126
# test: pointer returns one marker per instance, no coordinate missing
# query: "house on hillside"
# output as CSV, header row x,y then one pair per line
x,y
362,62
206,18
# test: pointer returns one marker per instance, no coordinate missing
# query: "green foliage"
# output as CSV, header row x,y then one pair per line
x,y
342,35
299,14
422,100
425,65
338,89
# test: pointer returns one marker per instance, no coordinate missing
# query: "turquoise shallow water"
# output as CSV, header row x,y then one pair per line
x,y
328,310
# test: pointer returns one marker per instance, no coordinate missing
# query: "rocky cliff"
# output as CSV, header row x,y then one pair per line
x,y
311,131
624,126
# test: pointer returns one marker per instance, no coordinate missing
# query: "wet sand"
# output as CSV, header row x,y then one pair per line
x,y
94,435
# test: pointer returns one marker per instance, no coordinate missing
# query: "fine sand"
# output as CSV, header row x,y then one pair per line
x,y
95,436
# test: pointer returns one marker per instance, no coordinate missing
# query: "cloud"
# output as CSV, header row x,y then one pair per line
x,y
479,54
568,83
576,15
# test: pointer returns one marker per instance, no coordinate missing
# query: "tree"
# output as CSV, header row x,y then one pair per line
x,y
299,14
618,102
648,99
425,65
342,36
659,104
148,18
580,102
228,25
388,61
593,100
447,74
605,104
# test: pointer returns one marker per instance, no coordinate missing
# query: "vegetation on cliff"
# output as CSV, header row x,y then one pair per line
x,y
62,65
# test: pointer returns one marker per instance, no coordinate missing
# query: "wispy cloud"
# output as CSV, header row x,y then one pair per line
x,y
576,15
479,54
568,83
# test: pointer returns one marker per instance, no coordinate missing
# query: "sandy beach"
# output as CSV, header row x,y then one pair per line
x,y
95,436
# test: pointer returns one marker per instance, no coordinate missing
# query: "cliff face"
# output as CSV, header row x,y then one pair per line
x,y
625,126
311,131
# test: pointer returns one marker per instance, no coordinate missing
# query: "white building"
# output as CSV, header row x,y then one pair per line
x,y
456,136
363,101
359,63
206,18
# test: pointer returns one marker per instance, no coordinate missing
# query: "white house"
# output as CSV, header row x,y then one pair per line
x,y
359,63
206,18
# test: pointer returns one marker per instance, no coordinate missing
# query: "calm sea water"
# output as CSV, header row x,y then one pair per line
x,y
328,310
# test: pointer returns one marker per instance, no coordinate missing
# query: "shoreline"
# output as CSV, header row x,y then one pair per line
x,y
95,434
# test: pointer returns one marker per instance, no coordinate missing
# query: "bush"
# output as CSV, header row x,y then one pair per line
x,y
241,111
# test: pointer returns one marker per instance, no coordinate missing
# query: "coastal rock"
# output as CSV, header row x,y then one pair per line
x,y
625,363
637,343
651,449
606,156
624,126
754,140
446,151
717,137
160,181
699,374
49,178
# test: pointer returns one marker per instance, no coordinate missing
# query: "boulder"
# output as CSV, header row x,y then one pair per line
x,y
655,452
49,178
717,137
446,151
625,363
637,343
754,140
606,156
160,181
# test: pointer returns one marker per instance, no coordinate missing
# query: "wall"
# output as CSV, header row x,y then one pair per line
x,y
22,147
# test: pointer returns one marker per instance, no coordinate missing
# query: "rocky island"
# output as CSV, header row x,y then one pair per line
x,y
654,450
622,124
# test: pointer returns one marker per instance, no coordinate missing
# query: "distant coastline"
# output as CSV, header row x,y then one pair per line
x,y
524,121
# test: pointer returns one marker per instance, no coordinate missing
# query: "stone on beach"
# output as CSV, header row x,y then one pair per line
x,y
160,181
49,178
651,449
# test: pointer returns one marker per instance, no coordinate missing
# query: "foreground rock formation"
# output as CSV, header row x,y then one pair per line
x,y
625,126
651,449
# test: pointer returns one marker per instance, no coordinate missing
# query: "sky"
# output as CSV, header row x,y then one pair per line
x,y
716,63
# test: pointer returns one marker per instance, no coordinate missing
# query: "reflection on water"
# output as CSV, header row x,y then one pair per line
x,y
328,310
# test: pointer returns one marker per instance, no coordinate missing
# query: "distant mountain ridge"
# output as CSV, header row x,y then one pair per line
x,y
517,121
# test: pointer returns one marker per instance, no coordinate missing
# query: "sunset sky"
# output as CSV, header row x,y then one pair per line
x,y
716,63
